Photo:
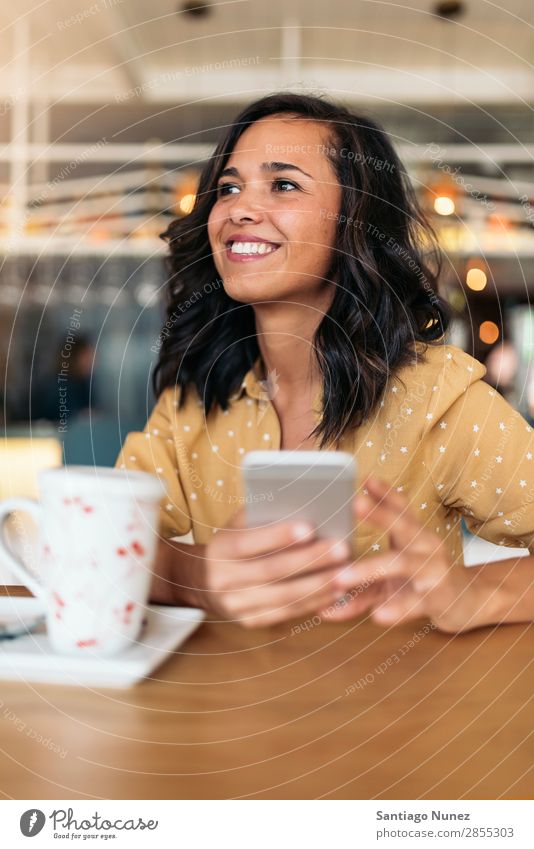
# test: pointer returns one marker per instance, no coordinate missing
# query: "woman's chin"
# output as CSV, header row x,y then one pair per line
x,y
252,290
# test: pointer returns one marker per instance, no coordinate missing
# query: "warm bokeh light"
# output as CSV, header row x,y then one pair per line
x,y
499,222
502,364
444,205
476,279
488,332
186,204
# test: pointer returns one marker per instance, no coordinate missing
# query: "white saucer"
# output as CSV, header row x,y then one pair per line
x,y
31,658
19,614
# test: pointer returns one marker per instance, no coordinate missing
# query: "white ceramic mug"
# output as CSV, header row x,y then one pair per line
x,y
97,541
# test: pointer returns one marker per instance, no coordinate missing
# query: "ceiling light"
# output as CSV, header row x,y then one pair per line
x,y
449,9
476,279
444,205
195,9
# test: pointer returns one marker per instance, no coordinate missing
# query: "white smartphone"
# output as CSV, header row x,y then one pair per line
x,y
315,486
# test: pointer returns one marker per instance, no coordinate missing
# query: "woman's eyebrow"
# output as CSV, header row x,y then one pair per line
x,y
269,167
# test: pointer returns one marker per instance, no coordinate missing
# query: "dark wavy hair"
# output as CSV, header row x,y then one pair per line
x,y
385,265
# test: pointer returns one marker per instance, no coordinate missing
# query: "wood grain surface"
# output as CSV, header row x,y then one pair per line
x,y
324,711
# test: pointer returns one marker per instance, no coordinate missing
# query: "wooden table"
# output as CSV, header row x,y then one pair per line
x,y
279,713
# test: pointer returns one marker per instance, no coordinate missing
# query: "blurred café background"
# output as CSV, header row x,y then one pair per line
x,y
109,108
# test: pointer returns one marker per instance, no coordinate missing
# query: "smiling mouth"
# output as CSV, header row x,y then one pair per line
x,y
250,249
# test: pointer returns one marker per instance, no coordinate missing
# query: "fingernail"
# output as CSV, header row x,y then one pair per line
x,y
351,575
344,577
302,530
340,550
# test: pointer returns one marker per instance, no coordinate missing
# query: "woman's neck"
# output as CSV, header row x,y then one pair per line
x,y
285,334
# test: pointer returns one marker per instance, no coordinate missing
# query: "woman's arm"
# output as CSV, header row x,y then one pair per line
x,y
177,571
503,591
416,577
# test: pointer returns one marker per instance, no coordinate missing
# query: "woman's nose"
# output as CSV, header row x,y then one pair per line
x,y
246,208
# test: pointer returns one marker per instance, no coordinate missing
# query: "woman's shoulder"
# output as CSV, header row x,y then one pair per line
x,y
439,374
179,408
447,363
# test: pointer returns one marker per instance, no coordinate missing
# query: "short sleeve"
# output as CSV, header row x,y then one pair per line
x,y
480,456
153,451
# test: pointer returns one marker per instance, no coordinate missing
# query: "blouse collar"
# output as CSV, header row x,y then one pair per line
x,y
261,389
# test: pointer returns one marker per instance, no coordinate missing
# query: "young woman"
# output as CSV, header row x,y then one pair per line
x,y
303,313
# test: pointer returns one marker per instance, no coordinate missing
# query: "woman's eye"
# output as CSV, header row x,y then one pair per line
x,y
281,185
226,189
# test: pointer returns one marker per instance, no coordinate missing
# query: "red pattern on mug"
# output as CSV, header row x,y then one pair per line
x,y
128,608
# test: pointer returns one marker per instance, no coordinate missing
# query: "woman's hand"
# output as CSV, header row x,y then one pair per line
x,y
261,576
415,578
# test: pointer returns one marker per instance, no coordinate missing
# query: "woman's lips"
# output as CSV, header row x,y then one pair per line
x,y
249,257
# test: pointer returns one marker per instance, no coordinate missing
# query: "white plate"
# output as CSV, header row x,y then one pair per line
x,y
31,658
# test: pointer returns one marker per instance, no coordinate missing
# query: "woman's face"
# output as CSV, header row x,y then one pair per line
x,y
273,225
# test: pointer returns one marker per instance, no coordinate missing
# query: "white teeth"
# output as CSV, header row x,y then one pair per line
x,y
252,248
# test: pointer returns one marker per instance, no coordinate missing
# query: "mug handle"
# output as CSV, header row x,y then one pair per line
x,y
34,508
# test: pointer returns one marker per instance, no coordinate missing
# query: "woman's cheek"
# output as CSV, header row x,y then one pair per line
x,y
214,224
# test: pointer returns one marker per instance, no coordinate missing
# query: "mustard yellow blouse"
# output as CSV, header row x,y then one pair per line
x,y
440,435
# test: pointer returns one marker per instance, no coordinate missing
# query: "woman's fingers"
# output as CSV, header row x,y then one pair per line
x,y
352,603
425,570
236,542
358,600
299,559
239,519
264,575
399,603
391,511
395,614
296,561
286,600
387,508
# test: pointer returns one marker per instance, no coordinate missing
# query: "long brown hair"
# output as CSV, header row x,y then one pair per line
x,y
385,264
